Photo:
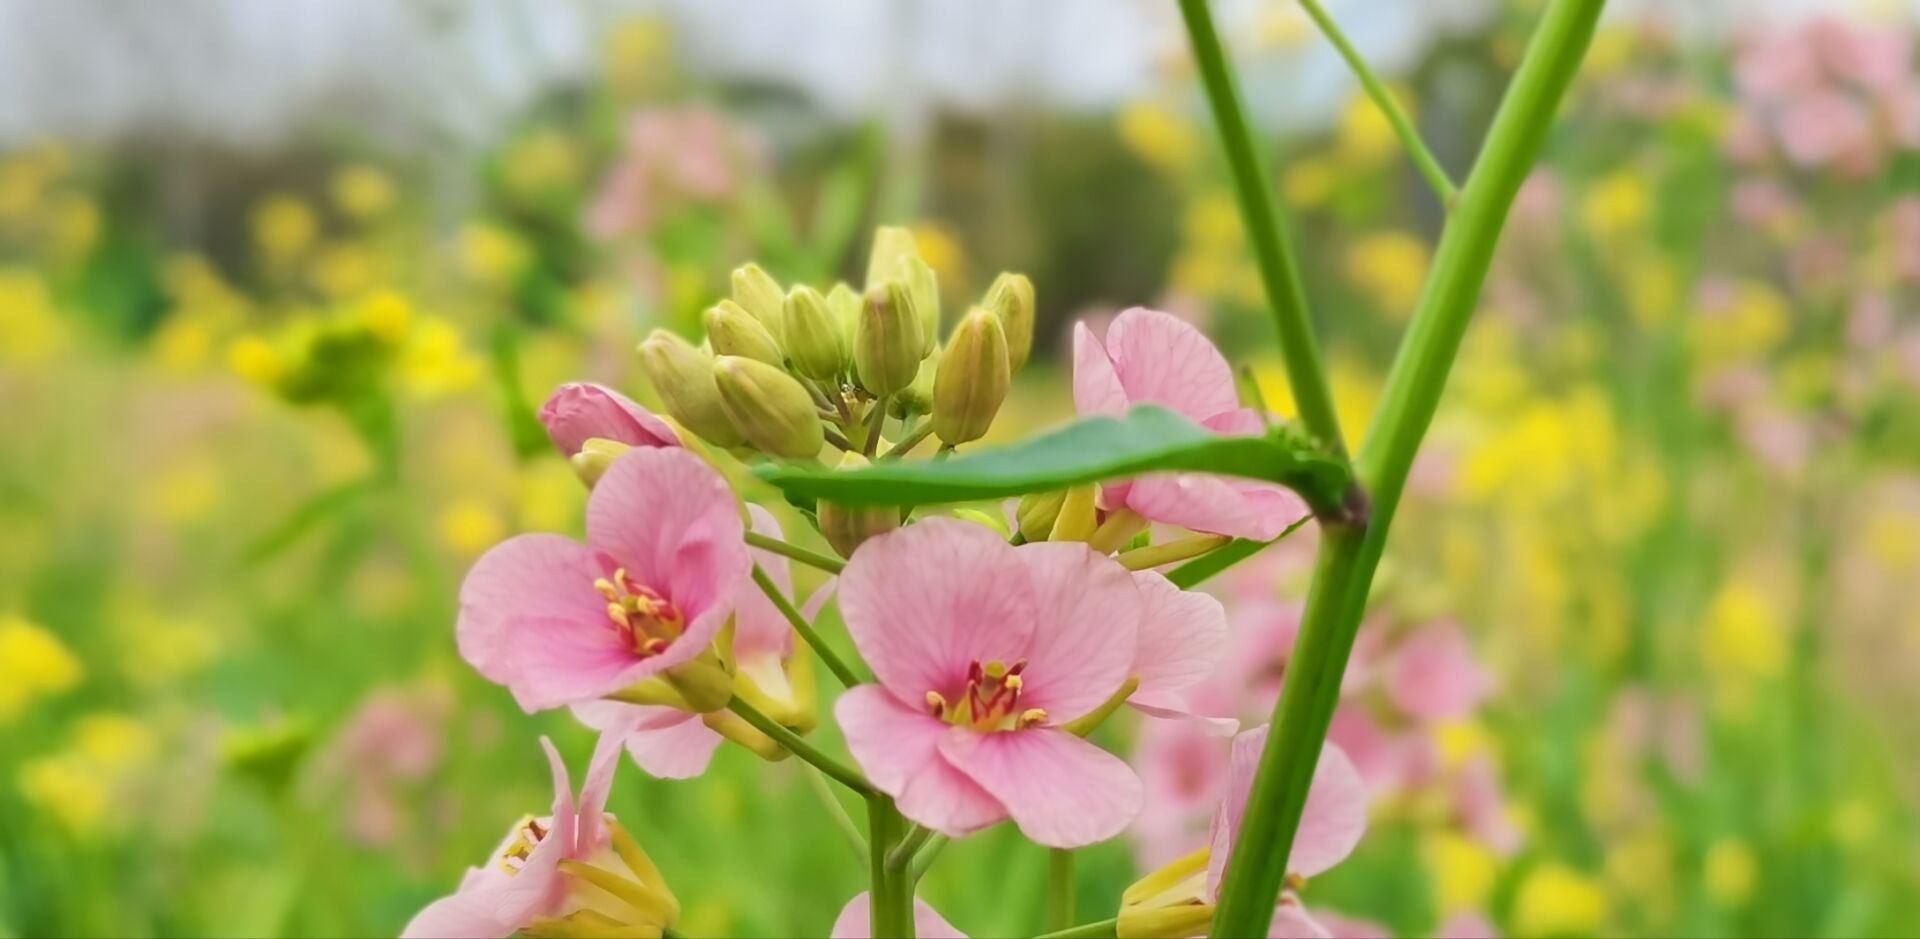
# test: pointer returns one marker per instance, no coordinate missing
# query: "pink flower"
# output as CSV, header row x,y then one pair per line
x,y
526,878
983,651
577,411
671,743
856,921
1435,676
1153,357
1182,638
559,622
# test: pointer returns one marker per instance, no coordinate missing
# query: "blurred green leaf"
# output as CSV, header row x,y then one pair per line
x,y
1145,440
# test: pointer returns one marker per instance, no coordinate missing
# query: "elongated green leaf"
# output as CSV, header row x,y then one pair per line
x,y
1145,440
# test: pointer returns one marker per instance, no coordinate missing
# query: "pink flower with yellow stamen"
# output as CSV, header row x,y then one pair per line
x,y
579,411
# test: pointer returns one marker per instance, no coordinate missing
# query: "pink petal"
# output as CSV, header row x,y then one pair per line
x,y
1435,677
469,914
1346,927
926,601
1183,637
1084,636
672,522
565,816
1096,386
594,791
1062,791
898,747
1216,504
577,411
1290,921
1331,822
492,903
1162,359
667,743
1467,926
856,921
758,626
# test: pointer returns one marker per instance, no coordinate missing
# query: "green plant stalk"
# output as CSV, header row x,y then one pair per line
x,y
891,887
1389,107
798,746
1351,551
800,625
1102,929
815,559
1059,889
1279,272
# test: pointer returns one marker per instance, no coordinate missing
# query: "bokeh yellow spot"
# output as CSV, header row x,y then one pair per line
x,y
1616,205
1158,136
283,227
1731,871
34,663
362,191
469,527
1389,267
1462,871
1556,900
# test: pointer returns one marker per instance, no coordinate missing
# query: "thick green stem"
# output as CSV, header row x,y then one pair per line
x,y
800,625
831,565
1351,552
891,887
1390,107
1059,889
1279,272
798,746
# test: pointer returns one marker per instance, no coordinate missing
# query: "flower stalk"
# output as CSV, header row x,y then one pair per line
x,y
1389,106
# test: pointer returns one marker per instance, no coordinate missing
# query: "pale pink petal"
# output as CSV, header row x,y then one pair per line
x,y
1216,504
565,815
898,747
1290,921
577,411
1096,386
1183,637
1062,791
1435,677
1164,360
758,626
1085,628
1331,823
493,904
926,601
856,921
1182,714
470,914
667,743
594,790
1385,761
1239,422
1347,927
1467,926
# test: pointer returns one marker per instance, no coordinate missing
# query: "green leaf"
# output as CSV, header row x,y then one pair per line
x,y
1147,439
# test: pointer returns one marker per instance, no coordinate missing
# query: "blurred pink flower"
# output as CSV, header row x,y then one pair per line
x,y
856,921
1153,357
689,155
559,622
393,739
1435,676
1761,203
982,651
1825,126
577,411
1467,926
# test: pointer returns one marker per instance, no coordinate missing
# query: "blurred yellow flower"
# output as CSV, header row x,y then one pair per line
x,y
342,270
435,362
1754,323
1309,182
1390,267
1458,741
34,663
1652,289
1556,900
362,191
31,329
256,360
115,741
73,226
551,497
1640,865
1158,136
70,791
469,527
1213,220
637,51
187,491
284,226
1461,870
942,251
540,162
1894,541
1611,51
1731,871
1281,26
388,315
1617,204
24,178
1744,638
1854,822
492,254
1365,136
156,650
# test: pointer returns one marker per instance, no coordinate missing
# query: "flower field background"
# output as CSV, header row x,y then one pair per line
x,y
1642,658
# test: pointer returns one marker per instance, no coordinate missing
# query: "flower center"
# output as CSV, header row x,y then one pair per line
x,y
520,844
991,701
647,620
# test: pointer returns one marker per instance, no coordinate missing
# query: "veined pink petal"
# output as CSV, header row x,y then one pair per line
x,y
1216,504
1183,635
926,601
1331,822
667,743
1062,791
577,411
547,578
594,790
758,626
1096,386
1435,677
1291,921
1085,628
856,921
898,747
565,815
673,523
1165,360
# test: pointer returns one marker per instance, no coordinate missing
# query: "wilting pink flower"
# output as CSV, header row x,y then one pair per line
x,y
1153,357
674,744
559,622
525,879
983,651
856,921
577,411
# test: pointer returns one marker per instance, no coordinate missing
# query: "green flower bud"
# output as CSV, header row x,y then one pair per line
x,y
924,285
759,294
596,454
1011,299
916,398
1037,512
769,407
891,245
682,374
887,345
816,337
973,379
706,683
734,331
1078,518
848,528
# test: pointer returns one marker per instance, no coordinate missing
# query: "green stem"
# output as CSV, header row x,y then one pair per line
x,y
891,888
1059,889
928,853
1279,272
902,855
1103,929
1203,568
817,781
1184,549
831,565
800,625
798,746
1351,551
1390,107
907,443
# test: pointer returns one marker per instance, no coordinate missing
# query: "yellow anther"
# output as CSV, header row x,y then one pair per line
x,y
607,589
619,614
995,669
654,646
1032,716
1012,683
936,703
1296,883
620,577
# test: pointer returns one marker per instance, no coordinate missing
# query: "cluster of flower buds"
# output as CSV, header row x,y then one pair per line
x,y
785,372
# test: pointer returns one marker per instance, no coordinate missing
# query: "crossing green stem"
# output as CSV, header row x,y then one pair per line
x,y
1390,107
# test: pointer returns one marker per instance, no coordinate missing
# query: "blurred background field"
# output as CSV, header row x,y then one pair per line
x,y
280,287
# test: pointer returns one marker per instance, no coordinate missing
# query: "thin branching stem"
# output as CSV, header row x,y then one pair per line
x,y
1389,106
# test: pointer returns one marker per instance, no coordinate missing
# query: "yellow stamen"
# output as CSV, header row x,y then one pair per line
x,y
936,703
1032,716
